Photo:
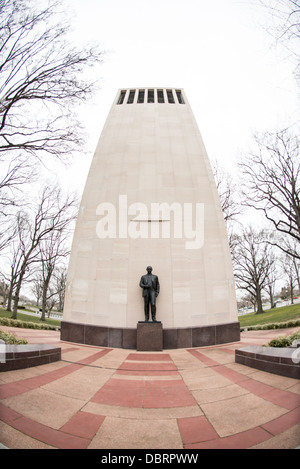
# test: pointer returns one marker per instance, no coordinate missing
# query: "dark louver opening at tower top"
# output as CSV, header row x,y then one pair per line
x,y
131,97
151,96
141,96
170,96
160,96
179,97
122,97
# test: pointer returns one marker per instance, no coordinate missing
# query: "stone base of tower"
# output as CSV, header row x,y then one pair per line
x,y
173,338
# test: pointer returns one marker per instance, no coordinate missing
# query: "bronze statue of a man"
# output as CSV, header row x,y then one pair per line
x,y
150,285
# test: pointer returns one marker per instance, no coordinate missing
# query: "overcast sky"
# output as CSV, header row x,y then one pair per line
x,y
218,51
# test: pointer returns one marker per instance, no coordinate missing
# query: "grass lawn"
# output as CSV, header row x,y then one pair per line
x,y
28,318
274,315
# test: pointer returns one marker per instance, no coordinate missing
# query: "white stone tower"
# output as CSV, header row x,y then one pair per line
x,y
150,199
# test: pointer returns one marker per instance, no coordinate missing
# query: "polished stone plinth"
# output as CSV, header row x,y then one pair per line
x,y
91,334
149,337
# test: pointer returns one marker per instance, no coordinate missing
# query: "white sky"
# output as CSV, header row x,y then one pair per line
x,y
218,51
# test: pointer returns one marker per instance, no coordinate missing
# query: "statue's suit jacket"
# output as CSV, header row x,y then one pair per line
x,y
152,281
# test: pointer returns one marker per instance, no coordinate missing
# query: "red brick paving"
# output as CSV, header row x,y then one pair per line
x,y
282,398
124,393
196,430
166,394
83,424
12,389
41,432
147,367
283,423
241,440
149,357
50,436
145,382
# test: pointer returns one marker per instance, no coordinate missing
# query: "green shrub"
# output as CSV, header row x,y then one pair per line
x,y
26,324
276,325
11,339
284,341
279,342
4,321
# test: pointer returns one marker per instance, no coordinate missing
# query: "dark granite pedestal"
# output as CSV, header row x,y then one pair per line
x,y
123,337
149,337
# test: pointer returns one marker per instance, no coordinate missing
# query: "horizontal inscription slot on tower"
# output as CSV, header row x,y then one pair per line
x,y
147,221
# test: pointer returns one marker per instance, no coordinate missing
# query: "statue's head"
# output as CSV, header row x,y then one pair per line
x,y
149,269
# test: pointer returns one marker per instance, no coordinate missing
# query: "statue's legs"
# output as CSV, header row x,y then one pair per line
x,y
150,298
153,305
146,307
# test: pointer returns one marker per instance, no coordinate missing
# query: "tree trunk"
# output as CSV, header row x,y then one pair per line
x,y
259,302
271,297
292,292
9,298
18,289
17,296
44,296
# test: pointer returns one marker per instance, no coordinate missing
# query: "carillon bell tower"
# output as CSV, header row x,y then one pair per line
x,y
150,199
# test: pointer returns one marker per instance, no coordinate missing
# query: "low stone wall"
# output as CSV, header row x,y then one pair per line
x,y
91,334
14,357
281,361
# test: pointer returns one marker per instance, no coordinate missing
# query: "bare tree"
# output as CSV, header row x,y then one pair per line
x,y
272,183
41,79
288,268
227,191
51,301
52,214
37,288
249,300
16,248
60,278
286,15
14,175
55,291
291,263
271,279
296,264
4,291
285,27
52,250
252,262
